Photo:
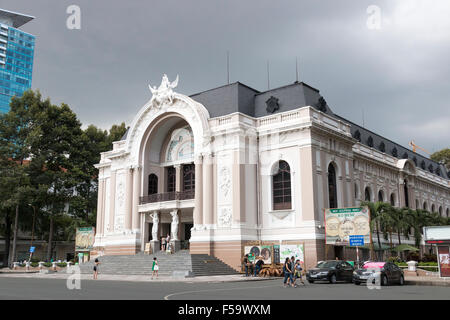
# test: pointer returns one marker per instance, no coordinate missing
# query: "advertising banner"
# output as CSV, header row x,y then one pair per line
x,y
255,251
289,250
444,261
84,239
276,253
344,222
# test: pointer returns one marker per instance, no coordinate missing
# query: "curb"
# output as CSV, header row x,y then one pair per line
x,y
428,283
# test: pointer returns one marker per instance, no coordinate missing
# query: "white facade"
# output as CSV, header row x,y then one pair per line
x,y
235,158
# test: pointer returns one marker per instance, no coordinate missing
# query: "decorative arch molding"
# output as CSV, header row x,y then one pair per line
x,y
194,113
408,166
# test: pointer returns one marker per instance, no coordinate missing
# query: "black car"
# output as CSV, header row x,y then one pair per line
x,y
384,273
332,271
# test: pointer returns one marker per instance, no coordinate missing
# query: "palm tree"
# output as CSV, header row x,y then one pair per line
x,y
376,210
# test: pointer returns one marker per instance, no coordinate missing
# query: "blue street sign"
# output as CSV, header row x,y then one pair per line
x,y
32,249
356,241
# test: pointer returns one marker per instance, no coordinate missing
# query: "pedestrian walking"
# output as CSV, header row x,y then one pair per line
x,y
298,272
291,279
287,272
96,264
155,268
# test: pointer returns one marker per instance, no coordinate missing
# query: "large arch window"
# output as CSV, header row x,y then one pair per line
x,y
367,196
380,196
189,177
281,187
425,206
332,186
433,208
406,194
392,199
448,213
440,211
152,184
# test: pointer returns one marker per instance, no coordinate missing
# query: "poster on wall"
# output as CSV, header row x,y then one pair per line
x,y
289,250
252,251
84,239
444,261
276,253
266,254
344,222
255,251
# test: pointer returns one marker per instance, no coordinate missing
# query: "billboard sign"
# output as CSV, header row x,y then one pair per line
x,y
84,239
444,261
255,251
289,250
342,223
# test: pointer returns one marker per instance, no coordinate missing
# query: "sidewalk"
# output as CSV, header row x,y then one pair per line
x,y
138,278
427,281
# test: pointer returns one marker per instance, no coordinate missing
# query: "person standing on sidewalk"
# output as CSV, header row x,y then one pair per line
x,y
246,262
155,268
258,266
163,244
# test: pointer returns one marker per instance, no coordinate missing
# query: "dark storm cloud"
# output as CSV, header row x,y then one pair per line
x,y
398,75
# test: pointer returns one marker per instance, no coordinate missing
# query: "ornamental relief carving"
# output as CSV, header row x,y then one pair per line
x,y
225,217
225,182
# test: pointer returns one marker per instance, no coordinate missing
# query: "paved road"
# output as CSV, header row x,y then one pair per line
x,y
29,288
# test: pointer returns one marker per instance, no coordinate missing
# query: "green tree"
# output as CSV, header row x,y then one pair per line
x,y
55,143
442,156
377,209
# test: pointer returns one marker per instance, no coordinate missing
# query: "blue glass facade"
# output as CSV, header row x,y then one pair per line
x,y
16,64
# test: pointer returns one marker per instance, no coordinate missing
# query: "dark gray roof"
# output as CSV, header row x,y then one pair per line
x,y
237,97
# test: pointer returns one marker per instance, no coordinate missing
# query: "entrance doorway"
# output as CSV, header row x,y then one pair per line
x,y
187,235
339,252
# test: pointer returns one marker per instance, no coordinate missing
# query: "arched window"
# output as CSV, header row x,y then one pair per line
x,y
448,212
433,208
367,196
392,199
189,177
281,187
380,196
440,211
425,206
332,187
417,204
152,184
406,194
356,191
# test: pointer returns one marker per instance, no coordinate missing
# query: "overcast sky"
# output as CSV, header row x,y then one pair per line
x,y
399,75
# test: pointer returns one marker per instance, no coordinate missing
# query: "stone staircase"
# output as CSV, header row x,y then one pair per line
x,y
181,263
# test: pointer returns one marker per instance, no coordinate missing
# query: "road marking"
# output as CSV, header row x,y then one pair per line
x,y
210,290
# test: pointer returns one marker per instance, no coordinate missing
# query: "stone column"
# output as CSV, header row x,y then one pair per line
x,y
208,210
129,198
100,206
112,200
174,227
177,177
136,194
155,244
198,212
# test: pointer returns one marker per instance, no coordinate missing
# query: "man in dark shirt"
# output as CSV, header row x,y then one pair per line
x,y
258,266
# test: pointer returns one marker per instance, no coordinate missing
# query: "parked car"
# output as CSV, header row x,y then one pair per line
x,y
330,270
384,273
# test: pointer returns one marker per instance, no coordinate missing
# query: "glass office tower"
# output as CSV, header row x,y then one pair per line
x,y
16,57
